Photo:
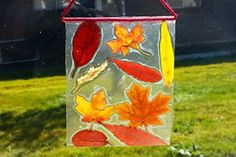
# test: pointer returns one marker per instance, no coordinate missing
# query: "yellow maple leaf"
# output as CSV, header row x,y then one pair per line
x,y
126,40
141,111
166,55
94,110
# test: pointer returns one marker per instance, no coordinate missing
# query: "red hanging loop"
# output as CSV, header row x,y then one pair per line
x,y
169,9
172,16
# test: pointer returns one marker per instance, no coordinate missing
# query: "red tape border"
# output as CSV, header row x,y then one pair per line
x,y
124,19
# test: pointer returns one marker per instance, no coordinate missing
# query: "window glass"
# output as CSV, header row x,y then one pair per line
x,y
49,4
184,3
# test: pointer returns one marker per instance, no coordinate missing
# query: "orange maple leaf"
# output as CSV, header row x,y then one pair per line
x,y
94,110
141,111
126,40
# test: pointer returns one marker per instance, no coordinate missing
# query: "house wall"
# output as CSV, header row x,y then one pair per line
x,y
209,27
13,19
41,30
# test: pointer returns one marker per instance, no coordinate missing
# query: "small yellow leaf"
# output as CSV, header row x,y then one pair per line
x,y
114,45
137,33
104,114
121,32
94,110
83,106
98,100
124,50
126,40
166,55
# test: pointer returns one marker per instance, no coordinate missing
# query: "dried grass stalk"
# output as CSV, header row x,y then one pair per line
x,y
90,75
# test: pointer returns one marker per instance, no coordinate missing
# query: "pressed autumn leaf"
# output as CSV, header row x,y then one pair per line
x,y
134,136
94,110
89,138
85,43
167,55
141,111
90,75
126,40
138,71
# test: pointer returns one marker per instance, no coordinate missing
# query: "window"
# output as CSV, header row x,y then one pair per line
x,y
9,52
184,3
49,4
110,7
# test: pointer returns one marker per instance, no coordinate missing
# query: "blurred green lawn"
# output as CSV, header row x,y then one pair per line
x,y
33,118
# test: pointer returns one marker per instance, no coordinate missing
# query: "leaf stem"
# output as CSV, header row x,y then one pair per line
x,y
73,72
146,130
75,90
109,143
146,54
91,126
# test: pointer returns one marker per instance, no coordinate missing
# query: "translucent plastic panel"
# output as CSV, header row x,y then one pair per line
x,y
119,83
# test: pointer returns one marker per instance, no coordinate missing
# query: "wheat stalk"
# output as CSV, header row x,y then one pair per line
x,y
90,75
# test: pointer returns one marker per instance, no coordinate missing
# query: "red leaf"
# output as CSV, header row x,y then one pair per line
x,y
134,136
138,71
85,42
89,138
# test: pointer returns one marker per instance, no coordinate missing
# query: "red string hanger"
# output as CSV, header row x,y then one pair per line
x,y
172,15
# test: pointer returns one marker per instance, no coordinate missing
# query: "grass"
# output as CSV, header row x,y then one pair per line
x,y
33,120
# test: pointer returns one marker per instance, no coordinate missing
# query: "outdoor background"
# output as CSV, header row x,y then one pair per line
x,y
32,77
